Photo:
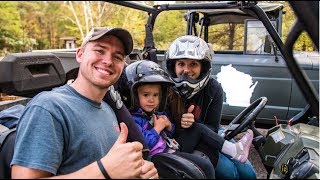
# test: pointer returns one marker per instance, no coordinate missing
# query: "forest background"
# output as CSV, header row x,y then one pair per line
x,y
37,25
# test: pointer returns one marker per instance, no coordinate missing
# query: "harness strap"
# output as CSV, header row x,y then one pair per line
x,y
4,132
171,142
123,115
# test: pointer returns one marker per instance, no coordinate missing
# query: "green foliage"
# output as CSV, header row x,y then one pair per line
x,y
304,42
128,18
10,27
168,26
222,38
27,25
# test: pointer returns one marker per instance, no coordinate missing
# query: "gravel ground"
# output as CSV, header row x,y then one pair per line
x,y
255,160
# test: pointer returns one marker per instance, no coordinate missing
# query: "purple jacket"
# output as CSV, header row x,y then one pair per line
x,y
154,141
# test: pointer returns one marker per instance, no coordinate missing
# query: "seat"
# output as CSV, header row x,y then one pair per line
x,y
171,166
6,154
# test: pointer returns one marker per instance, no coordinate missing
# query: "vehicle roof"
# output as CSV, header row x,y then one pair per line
x,y
235,15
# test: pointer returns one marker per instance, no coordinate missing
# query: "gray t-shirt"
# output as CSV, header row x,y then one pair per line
x,y
62,131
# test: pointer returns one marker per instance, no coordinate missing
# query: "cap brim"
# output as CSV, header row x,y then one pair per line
x,y
123,35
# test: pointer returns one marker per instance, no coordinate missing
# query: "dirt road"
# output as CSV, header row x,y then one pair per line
x,y
255,160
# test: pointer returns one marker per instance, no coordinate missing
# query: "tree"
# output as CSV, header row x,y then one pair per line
x,y
26,25
304,42
90,19
10,27
168,27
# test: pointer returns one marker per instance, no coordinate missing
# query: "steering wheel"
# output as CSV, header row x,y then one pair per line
x,y
244,119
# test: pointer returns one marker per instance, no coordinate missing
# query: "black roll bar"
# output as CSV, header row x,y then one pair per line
x,y
287,51
249,6
135,5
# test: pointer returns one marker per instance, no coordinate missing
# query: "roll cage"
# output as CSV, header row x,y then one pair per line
x,y
213,14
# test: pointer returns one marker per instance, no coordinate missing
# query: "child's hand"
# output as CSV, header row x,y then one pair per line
x,y
160,122
167,121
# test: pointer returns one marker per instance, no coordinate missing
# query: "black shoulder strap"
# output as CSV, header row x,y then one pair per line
x,y
123,115
171,142
8,137
4,132
7,140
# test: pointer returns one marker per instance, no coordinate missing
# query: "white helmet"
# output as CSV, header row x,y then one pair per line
x,y
189,47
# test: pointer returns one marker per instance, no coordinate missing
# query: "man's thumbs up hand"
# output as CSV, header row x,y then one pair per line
x,y
122,139
124,160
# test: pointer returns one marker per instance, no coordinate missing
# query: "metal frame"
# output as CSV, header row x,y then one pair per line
x,y
307,17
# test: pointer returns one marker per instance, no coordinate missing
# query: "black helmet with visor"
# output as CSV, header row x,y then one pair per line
x,y
142,72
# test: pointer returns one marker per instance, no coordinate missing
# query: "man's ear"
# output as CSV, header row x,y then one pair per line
x,y
79,54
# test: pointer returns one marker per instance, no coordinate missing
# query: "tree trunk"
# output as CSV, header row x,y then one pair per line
x,y
76,18
231,36
89,9
84,5
100,11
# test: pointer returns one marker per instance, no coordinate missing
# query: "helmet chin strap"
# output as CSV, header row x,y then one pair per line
x,y
184,75
184,90
148,114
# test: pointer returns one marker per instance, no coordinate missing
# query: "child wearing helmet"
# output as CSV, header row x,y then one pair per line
x,y
148,85
188,63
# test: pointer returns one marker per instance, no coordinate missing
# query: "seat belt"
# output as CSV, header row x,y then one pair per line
x,y
4,132
171,142
113,98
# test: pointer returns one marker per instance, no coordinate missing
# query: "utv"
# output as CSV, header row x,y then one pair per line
x,y
289,150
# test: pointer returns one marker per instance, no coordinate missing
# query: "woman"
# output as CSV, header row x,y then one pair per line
x,y
188,62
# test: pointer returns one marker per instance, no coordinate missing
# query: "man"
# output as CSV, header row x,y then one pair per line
x,y
70,132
